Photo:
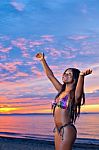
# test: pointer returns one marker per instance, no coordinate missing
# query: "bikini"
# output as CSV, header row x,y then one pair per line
x,y
63,105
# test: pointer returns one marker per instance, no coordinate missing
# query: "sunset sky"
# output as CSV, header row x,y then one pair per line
x,y
67,31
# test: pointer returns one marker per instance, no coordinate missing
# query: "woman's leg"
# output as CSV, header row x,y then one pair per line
x,y
57,140
69,138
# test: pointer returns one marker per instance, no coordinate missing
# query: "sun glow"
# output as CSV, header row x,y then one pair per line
x,y
42,109
90,108
8,109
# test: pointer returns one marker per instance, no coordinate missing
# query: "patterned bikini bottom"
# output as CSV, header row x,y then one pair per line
x,y
61,129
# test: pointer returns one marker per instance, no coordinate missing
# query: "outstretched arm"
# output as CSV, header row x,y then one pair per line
x,y
80,84
49,72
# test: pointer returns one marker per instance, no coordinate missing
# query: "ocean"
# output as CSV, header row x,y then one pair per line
x,y
41,126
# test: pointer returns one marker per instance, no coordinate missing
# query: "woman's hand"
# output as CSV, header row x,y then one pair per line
x,y
40,56
86,72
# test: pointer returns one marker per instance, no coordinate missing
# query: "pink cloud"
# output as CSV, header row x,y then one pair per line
x,y
17,63
4,98
47,49
53,67
93,100
4,50
36,72
18,6
16,88
67,54
78,37
36,106
3,57
3,76
25,55
87,52
29,63
11,67
89,48
20,43
8,66
21,74
35,43
71,48
13,85
48,38
53,52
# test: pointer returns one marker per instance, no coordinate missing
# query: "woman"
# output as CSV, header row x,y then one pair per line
x,y
66,106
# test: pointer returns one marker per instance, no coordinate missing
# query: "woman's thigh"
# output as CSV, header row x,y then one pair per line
x,y
68,138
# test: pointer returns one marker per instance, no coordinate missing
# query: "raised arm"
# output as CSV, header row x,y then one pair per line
x,y
80,84
49,72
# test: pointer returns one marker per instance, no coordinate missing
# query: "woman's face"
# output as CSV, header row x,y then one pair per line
x,y
68,76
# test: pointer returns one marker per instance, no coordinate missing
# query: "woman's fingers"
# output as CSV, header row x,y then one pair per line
x,y
88,71
40,56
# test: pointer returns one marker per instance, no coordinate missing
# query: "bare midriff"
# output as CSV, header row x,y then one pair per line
x,y
61,116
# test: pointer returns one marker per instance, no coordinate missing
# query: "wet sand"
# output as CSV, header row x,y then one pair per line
x,y
8,143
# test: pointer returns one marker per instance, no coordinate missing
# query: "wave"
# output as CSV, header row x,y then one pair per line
x,y
46,138
27,136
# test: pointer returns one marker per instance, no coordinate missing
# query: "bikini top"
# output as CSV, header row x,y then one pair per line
x,y
62,103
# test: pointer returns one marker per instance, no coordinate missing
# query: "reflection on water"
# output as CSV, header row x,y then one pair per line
x,y
87,126
42,125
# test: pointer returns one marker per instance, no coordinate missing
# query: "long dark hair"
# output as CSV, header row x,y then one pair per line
x,y
73,106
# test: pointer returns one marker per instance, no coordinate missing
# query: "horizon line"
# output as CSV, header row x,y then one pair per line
x,y
43,113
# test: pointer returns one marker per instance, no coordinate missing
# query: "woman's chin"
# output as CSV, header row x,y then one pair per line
x,y
67,82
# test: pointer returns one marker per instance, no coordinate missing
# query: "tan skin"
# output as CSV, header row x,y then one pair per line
x,y
61,116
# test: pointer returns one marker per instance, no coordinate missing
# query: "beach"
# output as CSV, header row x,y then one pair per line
x,y
10,143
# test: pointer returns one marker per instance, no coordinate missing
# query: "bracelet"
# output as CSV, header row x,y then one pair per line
x,y
81,74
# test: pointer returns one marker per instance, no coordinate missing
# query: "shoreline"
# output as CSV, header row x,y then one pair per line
x,y
10,143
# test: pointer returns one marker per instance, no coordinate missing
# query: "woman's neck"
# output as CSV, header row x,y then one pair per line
x,y
68,88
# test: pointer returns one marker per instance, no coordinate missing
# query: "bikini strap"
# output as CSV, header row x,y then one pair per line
x,y
62,128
